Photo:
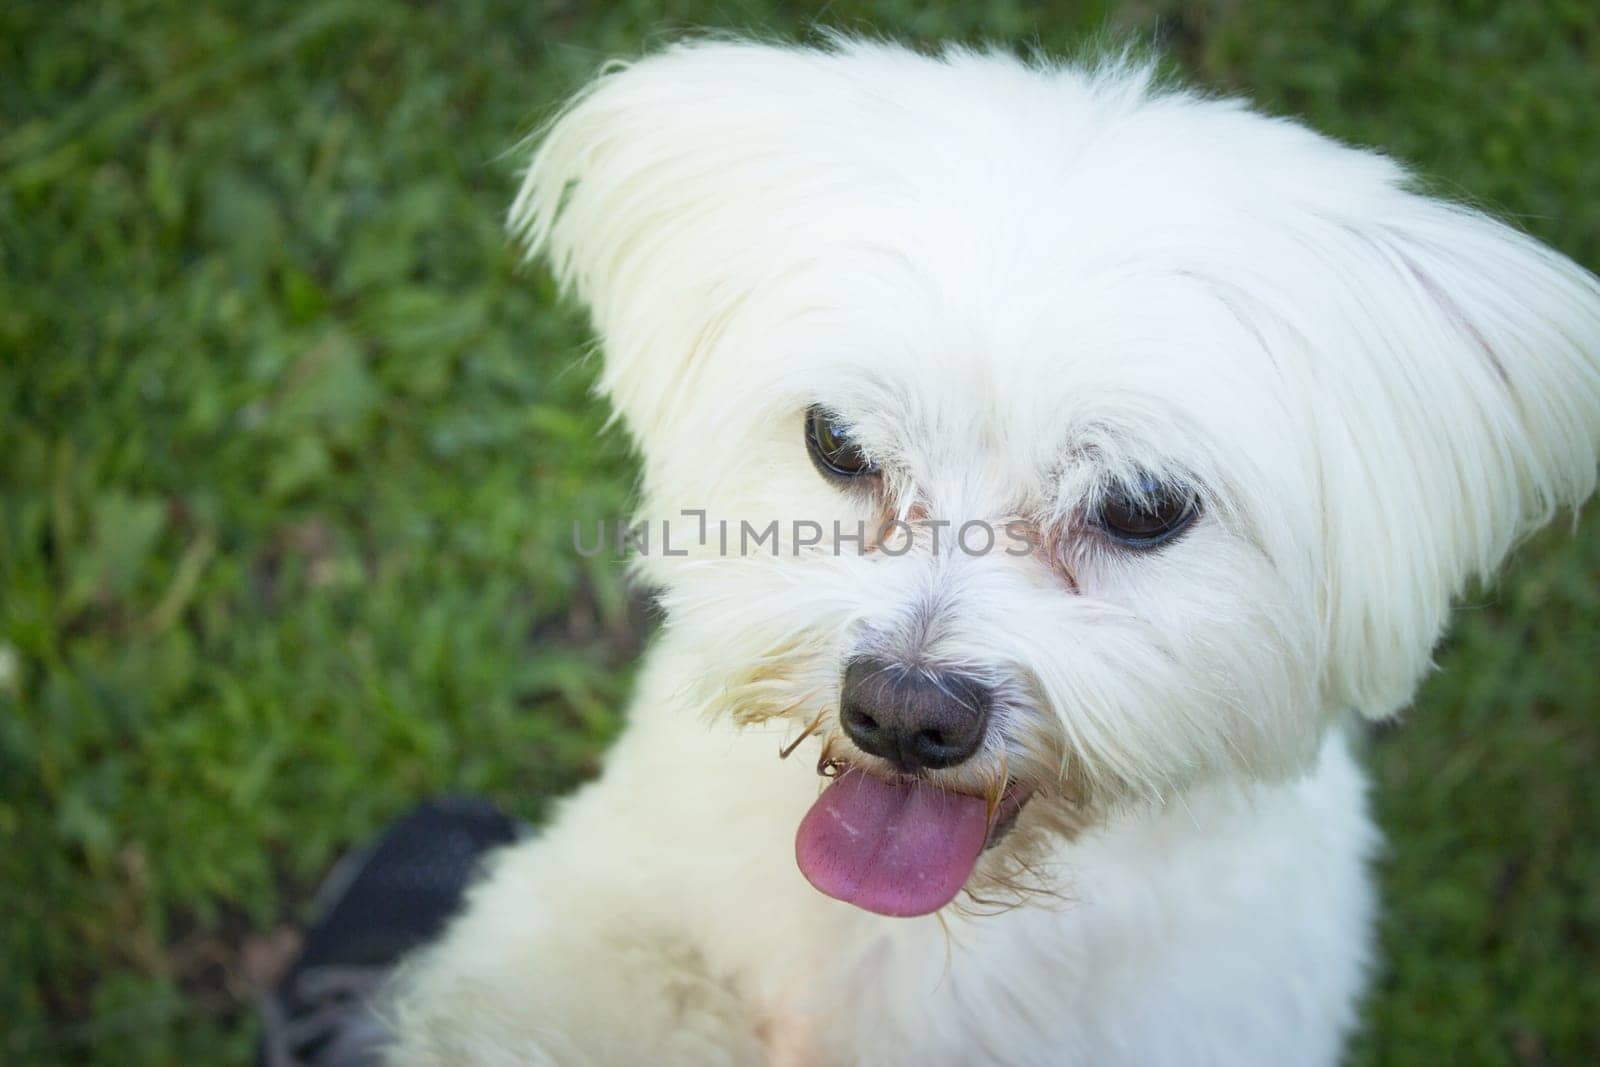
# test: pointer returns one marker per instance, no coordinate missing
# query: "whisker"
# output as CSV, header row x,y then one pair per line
x,y
785,751
995,794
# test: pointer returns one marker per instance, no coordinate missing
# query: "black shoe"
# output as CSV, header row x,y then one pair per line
x,y
376,905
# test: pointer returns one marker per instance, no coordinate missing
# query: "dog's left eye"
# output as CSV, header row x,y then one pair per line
x,y
832,449
1150,515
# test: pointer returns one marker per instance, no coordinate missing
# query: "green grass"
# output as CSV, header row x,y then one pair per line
x,y
289,446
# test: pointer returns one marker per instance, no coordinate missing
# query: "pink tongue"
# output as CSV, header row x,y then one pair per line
x,y
896,848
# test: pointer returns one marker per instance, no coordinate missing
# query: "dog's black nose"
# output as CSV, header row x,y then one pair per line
x,y
912,717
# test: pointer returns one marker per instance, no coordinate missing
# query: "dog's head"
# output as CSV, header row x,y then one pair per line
x,y
1186,423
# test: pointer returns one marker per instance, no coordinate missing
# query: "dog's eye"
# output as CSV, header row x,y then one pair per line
x,y
831,448
1150,515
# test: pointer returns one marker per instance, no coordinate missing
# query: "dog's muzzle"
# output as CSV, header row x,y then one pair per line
x,y
899,843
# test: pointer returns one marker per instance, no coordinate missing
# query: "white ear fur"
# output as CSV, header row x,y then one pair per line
x,y
647,194
1465,413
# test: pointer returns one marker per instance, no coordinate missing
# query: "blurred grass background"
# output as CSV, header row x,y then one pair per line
x,y
289,448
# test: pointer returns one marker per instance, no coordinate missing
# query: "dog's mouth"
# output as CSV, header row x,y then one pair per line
x,y
899,846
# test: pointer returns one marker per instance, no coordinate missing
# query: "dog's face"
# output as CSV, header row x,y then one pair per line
x,y
1115,440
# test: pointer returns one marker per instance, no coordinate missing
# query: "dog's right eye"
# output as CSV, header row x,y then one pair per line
x,y
831,448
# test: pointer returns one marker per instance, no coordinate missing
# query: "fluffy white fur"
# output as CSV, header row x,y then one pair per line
x,y
1017,283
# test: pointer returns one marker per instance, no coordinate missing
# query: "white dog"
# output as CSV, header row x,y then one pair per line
x,y
1214,415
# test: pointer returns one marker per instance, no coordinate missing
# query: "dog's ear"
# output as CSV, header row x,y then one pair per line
x,y
648,194
1457,408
